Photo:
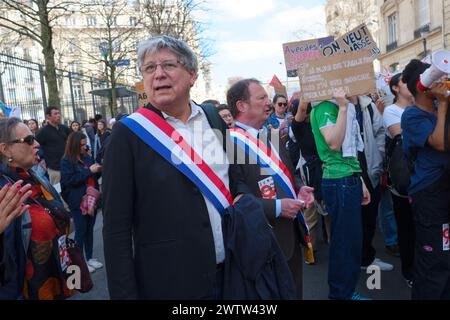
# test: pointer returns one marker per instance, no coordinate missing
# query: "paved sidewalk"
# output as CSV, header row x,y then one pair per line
x,y
393,287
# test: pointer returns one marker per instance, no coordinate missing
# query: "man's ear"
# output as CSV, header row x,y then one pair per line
x,y
241,106
194,77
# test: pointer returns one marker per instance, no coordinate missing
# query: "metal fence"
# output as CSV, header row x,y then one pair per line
x,y
22,85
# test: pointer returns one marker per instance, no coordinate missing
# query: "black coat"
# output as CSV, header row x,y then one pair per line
x,y
244,179
255,267
74,179
157,234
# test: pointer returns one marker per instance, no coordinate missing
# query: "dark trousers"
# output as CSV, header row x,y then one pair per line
x,y
217,292
296,266
342,198
84,232
406,235
431,212
369,214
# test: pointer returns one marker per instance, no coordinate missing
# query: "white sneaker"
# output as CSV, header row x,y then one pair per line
x,y
91,269
94,263
382,265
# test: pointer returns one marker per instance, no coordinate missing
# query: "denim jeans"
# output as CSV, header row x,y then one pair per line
x,y
84,232
342,199
386,218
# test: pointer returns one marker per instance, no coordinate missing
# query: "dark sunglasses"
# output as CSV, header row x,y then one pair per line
x,y
28,140
280,104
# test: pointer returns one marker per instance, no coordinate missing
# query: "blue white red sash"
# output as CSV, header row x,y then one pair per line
x,y
166,141
269,159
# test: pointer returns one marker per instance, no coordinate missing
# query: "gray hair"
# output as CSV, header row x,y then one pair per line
x,y
183,52
7,132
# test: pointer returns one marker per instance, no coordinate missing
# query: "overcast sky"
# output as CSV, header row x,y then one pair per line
x,y
247,36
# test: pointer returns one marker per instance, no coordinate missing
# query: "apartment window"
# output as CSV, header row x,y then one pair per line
x,y
392,28
91,21
116,45
70,21
75,67
360,7
77,91
133,21
112,21
71,46
423,12
26,54
12,75
29,77
12,95
31,94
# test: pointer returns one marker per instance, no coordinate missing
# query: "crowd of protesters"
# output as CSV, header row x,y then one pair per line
x,y
170,230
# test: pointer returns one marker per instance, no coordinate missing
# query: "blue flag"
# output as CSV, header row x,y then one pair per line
x,y
6,109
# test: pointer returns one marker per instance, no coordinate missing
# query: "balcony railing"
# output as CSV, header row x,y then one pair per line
x,y
391,46
417,32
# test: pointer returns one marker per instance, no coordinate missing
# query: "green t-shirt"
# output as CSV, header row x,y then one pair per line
x,y
334,164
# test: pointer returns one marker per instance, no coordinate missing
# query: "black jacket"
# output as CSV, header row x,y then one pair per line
x,y
74,179
53,142
158,241
244,178
255,267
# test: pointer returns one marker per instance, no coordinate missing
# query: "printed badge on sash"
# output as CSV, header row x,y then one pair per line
x,y
64,258
445,237
267,188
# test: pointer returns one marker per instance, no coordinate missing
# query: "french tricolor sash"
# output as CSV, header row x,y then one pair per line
x,y
269,159
159,135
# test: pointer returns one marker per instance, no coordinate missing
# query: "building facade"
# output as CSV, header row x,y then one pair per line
x,y
412,29
344,15
90,37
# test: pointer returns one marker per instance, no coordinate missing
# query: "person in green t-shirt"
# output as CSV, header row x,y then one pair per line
x,y
343,193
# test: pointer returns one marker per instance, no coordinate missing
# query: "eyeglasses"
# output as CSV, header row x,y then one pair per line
x,y
282,104
167,66
28,140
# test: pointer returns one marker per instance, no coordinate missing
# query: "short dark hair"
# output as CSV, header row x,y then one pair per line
x,y
395,80
277,96
239,91
48,110
98,117
91,120
222,107
211,101
411,74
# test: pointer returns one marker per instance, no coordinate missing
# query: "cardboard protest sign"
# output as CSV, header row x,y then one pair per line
x,y
352,71
354,40
141,95
300,51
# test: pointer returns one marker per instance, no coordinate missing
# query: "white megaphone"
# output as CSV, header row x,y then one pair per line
x,y
440,66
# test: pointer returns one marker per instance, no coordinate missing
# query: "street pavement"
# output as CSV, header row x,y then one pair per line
x,y
393,286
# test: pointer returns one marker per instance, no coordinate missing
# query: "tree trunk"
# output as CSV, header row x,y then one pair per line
x,y
49,56
114,106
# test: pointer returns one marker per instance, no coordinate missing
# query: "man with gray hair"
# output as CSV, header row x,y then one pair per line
x,y
162,232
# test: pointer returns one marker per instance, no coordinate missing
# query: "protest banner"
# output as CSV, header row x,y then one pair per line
x,y
351,71
354,40
141,95
300,51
